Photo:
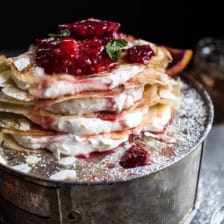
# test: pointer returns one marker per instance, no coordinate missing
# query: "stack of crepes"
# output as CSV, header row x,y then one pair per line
x,y
79,114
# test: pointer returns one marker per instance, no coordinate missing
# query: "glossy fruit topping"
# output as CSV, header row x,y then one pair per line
x,y
135,156
91,58
140,54
66,55
55,55
87,47
90,28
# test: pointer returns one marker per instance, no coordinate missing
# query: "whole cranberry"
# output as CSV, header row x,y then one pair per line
x,y
140,54
135,156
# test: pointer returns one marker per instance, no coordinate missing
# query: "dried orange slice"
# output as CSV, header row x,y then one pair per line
x,y
181,58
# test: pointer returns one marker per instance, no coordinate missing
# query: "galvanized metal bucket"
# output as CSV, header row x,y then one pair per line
x,y
163,196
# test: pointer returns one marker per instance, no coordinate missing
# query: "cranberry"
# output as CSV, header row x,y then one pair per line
x,y
135,156
92,57
55,55
87,55
104,63
140,54
91,47
65,55
90,28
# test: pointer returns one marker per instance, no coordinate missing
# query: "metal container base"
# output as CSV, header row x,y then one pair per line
x,y
164,197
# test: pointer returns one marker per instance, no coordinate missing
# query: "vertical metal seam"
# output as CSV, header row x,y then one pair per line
x,y
198,176
59,206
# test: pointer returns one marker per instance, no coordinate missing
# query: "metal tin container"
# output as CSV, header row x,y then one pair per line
x,y
163,193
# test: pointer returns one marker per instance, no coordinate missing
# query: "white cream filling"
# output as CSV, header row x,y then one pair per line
x,y
87,105
158,122
127,98
114,78
87,126
58,88
120,75
80,106
73,145
133,119
70,145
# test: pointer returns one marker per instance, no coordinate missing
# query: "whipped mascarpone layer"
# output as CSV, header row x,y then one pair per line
x,y
117,103
71,145
106,81
159,120
74,145
88,126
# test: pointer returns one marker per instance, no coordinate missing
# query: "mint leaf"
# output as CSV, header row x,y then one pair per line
x,y
113,48
61,33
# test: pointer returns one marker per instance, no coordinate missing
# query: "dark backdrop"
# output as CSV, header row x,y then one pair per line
x,y
179,25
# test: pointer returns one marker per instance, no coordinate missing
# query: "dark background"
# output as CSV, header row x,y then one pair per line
x,y
179,24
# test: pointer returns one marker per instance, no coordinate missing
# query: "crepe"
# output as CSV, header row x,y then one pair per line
x,y
78,115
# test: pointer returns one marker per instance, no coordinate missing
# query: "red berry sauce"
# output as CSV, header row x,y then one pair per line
x,y
84,51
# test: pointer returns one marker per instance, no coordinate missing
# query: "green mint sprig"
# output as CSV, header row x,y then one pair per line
x,y
114,47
